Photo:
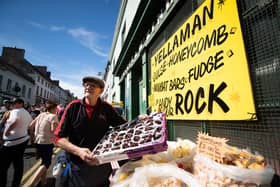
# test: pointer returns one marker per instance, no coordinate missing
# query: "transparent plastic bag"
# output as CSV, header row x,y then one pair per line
x,y
124,173
210,173
143,175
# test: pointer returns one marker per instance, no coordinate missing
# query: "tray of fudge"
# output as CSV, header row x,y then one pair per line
x,y
133,139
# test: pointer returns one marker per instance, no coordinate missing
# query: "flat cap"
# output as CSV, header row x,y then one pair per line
x,y
94,80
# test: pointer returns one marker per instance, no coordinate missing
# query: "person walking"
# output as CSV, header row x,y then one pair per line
x,y
42,129
2,125
15,138
80,129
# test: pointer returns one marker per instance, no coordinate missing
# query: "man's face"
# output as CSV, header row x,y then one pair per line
x,y
92,90
17,105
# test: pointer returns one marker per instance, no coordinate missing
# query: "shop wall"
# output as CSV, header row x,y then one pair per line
x,y
261,33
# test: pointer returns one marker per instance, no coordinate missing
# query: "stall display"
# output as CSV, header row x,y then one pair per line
x,y
179,153
163,175
210,162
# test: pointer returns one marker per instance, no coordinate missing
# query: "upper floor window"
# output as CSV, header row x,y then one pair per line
x,y
23,90
123,33
29,93
9,85
1,79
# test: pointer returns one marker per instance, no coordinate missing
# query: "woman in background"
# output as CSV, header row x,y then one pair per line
x,y
42,128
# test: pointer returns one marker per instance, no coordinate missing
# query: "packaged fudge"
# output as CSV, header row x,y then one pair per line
x,y
133,139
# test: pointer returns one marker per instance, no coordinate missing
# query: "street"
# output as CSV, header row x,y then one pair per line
x,y
30,166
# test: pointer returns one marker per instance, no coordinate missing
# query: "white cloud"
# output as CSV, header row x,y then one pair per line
x,y
88,39
37,25
56,28
74,88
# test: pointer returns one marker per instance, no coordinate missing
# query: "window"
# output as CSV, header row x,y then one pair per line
x,y
23,91
16,88
114,97
37,90
1,79
123,33
29,93
9,85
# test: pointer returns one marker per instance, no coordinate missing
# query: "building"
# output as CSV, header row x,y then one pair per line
x,y
211,66
14,83
19,78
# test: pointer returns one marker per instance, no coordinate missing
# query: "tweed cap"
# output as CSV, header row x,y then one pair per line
x,y
94,80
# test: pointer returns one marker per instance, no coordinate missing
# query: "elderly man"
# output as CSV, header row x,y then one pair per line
x,y
81,127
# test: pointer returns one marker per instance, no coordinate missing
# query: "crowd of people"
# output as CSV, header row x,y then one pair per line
x,y
20,125
76,129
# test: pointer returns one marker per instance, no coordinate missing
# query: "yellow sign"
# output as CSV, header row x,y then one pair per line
x,y
201,72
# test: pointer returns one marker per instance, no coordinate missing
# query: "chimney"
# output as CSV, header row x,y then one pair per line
x,y
13,53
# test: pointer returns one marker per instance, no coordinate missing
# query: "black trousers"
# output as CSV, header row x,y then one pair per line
x,y
84,175
45,152
12,155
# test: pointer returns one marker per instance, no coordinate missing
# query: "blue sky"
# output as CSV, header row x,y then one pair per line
x,y
71,37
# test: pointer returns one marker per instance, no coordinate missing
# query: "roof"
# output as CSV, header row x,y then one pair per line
x,y
10,67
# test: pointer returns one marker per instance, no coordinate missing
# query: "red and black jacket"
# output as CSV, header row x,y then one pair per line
x,y
83,130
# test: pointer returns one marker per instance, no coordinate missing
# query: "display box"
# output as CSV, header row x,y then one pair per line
x,y
133,139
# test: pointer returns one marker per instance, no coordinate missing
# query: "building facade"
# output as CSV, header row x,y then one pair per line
x,y
208,70
19,78
13,83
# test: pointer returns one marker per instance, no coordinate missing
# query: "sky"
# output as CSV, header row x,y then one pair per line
x,y
72,38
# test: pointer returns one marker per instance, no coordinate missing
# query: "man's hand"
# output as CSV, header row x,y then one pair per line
x,y
143,116
86,155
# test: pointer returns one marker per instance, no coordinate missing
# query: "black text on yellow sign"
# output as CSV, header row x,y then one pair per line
x,y
201,72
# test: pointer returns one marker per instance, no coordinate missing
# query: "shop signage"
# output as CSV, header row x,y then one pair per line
x,y
201,72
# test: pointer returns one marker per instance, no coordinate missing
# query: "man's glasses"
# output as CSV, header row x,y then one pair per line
x,y
90,85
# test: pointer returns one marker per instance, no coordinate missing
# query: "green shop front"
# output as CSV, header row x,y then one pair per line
x,y
211,66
